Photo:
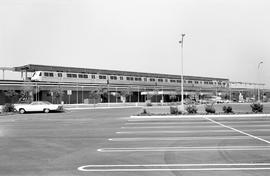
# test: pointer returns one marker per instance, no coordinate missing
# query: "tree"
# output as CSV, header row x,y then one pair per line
x,y
10,94
57,92
126,93
96,93
26,94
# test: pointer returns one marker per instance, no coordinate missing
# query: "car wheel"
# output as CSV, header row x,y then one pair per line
x,y
46,110
21,111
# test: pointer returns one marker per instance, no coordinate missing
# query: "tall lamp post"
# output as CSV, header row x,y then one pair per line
x,y
258,80
182,70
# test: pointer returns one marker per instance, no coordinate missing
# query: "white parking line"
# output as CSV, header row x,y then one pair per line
x,y
198,131
185,149
177,138
175,167
201,126
255,137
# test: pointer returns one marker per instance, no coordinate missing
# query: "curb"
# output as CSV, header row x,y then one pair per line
x,y
199,116
78,108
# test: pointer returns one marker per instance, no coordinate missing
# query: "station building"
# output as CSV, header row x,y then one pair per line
x,y
72,85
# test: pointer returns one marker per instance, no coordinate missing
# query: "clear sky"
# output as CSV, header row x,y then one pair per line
x,y
224,38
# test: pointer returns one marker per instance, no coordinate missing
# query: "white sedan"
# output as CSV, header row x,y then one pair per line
x,y
38,106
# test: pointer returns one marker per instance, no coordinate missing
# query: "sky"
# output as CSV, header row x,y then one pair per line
x,y
224,38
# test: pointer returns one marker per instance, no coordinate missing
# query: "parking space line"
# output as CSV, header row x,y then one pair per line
x,y
233,130
177,138
242,132
175,167
186,149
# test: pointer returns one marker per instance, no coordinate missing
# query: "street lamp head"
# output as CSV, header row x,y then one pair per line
x,y
183,35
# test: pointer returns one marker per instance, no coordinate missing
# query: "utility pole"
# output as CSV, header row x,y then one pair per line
x,y
182,71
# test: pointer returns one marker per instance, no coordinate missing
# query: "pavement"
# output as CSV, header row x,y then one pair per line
x,y
108,142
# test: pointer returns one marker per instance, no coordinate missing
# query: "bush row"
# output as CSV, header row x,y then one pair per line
x,y
210,109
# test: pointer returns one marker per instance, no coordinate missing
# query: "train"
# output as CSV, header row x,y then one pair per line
x,y
124,79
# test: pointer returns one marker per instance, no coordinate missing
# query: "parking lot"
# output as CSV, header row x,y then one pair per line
x,y
109,142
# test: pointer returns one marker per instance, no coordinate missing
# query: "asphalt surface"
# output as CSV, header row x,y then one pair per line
x,y
108,142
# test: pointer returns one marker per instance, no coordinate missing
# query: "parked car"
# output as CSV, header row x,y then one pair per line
x,y
38,106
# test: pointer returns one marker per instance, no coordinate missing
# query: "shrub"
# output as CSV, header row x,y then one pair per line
x,y
256,107
148,103
227,109
191,109
210,109
8,107
174,110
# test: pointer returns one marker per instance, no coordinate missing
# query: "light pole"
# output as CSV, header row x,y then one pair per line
x,y
182,69
258,80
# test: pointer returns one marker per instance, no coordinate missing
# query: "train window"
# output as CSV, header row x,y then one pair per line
x,y
160,80
190,82
121,78
70,75
102,77
59,75
178,81
85,76
113,77
80,76
219,83
152,79
166,80
196,82
210,82
93,76
145,79
172,81
138,79
48,74
40,74
129,78
205,82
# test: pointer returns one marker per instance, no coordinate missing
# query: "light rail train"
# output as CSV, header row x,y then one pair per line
x,y
51,76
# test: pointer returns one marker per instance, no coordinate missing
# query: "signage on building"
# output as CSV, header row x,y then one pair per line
x,y
69,92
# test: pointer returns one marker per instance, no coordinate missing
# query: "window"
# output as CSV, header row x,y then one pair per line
x,y
205,82
178,81
113,77
83,76
145,79
59,75
48,74
121,78
160,80
138,79
40,74
93,76
71,75
166,80
129,78
190,82
102,77
172,81
210,82
152,79
196,82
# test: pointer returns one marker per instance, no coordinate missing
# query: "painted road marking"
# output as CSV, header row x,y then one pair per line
x,y
255,137
185,149
158,127
175,167
177,138
198,131
193,122
201,126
